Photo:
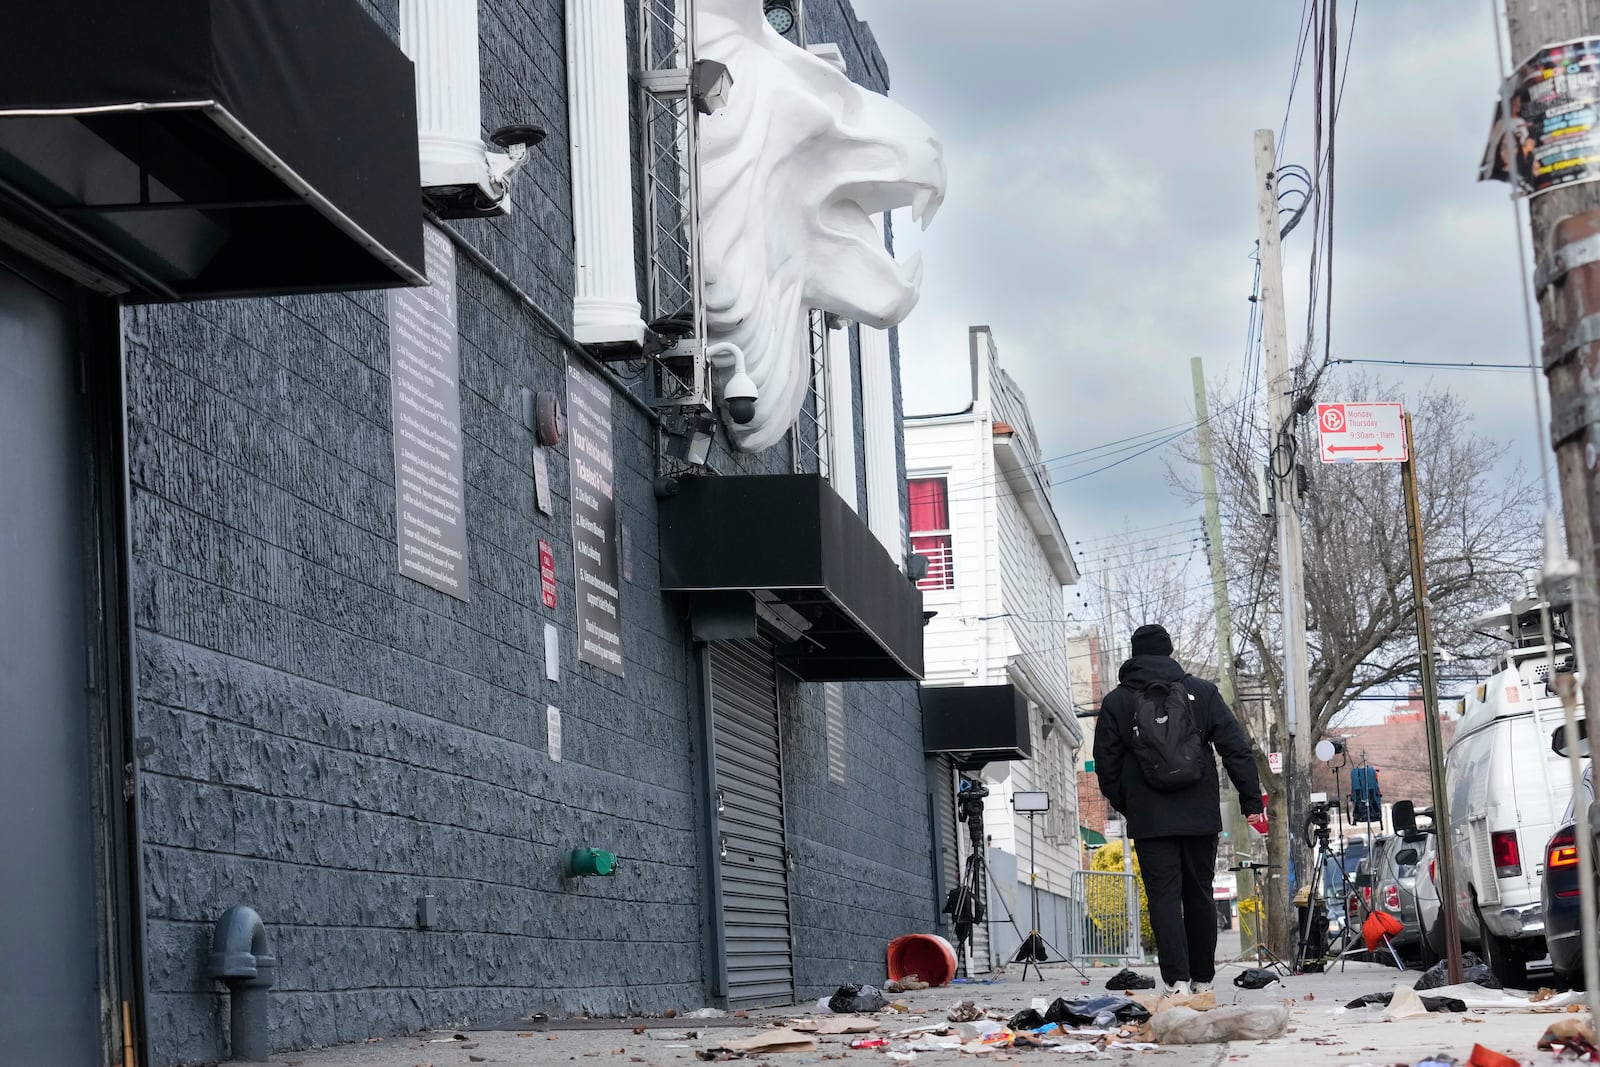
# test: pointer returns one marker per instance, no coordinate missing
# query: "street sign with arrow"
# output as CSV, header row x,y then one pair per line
x,y
1362,433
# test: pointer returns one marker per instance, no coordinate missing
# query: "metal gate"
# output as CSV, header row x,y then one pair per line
x,y
1111,916
753,844
49,970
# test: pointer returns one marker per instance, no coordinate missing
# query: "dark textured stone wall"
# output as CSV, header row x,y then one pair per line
x,y
333,741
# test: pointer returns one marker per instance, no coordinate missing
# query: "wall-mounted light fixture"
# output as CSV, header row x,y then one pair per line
x,y
709,85
780,15
693,445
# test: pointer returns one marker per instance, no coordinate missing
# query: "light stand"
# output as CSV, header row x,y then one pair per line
x,y
1032,950
1265,957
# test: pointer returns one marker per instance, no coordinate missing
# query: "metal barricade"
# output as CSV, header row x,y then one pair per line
x,y
1108,926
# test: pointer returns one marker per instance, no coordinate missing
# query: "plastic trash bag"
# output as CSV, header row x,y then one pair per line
x,y
1433,1004
1099,1012
1026,1019
857,998
1254,978
1127,979
1238,1022
1473,972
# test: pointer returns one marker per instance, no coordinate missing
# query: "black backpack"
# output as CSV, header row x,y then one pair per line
x,y
1166,739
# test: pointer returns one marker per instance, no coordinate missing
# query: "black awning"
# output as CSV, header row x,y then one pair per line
x,y
989,722
790,540
196,148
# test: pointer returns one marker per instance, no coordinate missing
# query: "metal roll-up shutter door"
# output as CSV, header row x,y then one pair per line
x,y
945,823
755,854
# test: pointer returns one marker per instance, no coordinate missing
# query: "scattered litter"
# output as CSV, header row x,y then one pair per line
x,y
705,1013
964,1012
979,1029
1436,1060
1133,1046
1401,1001
856,998
903,1056
1026,1019
780,1040
1198,1001
1541,994
1030,1041
717,1055
909,984
1128,979
670,1035
1488,1057
1477,998
1238,1022
1077,1048
1254,978
836,1026
1570,1035
1102,1012
870,1042
1473,972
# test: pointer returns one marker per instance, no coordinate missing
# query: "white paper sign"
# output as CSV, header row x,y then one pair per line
x,y
553,731
1275,762
552,652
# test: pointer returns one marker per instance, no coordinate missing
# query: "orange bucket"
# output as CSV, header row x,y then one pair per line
x,y
928,956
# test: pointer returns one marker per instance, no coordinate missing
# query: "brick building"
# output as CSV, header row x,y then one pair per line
x,y
201,205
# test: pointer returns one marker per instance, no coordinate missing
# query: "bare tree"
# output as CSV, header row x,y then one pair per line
x,y
1141,579
1480,532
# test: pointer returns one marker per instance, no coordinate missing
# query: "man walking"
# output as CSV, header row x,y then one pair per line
x,y
1153,753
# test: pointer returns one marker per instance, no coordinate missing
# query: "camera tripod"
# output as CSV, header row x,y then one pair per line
x,y
1316,903
1265,957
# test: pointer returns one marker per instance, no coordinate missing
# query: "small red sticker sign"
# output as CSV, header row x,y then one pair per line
x,y
547,573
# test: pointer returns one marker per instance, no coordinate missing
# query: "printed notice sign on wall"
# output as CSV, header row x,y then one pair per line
x,y
425,412
594,520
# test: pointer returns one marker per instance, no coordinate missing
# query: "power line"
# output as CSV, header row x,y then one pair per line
x,y
1438,365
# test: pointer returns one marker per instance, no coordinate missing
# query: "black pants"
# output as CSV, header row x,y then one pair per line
x,y
1177,884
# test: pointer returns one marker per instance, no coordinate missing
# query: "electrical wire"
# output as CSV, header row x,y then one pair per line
x,y
1437,365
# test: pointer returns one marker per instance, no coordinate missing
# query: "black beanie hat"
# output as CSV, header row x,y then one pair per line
x,y
1152,640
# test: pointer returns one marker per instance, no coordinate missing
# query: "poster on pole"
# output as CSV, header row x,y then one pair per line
x,y
1546,132
1361,433
425,417
594,520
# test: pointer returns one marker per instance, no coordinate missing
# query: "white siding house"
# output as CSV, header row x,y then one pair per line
x,y
998,564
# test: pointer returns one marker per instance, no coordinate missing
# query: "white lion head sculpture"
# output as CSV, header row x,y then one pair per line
x,y
791,173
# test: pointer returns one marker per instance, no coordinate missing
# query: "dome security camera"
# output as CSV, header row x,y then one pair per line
x,y
741,396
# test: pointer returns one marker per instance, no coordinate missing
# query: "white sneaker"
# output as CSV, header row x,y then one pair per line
x,y
1176,989
1196,988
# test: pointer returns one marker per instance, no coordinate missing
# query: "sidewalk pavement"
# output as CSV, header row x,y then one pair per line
x,y
1318,1035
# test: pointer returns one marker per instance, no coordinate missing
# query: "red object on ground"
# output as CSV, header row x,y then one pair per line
x,y
928,956
1378,924
1488,1057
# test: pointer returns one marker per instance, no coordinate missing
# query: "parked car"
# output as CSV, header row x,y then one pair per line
x,y
1433,943
1561,893
1506,792
1388,883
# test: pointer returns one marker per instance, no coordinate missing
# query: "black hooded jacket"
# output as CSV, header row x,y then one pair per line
x,y
1195,810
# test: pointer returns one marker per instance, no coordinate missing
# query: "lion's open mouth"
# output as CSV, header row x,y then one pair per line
x,y
849,213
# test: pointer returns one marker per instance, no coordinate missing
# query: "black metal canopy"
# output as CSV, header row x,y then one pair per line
x,y
983,723
790,541
174,149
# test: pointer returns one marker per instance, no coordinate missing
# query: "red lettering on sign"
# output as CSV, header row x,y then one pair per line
x,y
547,574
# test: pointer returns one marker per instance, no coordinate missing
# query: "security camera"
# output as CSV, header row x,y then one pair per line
x,y
741,396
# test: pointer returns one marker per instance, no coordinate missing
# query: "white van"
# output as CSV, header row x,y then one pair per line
x,y
1507,791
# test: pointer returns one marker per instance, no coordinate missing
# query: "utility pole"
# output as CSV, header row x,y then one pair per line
x,y
1565,223
1240,833
1283,462
1430,706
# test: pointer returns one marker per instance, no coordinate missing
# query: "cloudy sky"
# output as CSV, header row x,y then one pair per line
x,y
1101,211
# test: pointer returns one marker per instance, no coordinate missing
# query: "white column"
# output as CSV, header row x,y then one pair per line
x,y
441,37
606,299
877,414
